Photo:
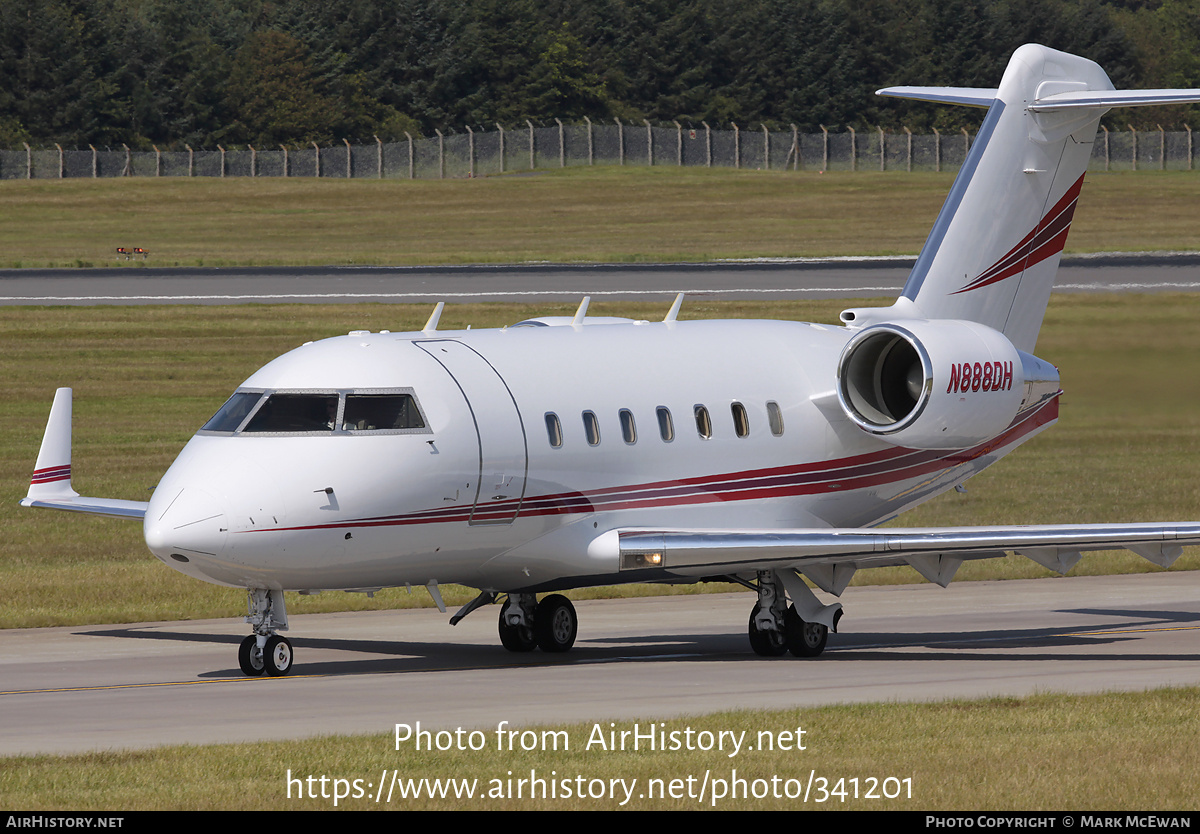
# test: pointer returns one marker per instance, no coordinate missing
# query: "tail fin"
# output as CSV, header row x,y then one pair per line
x,y
994,250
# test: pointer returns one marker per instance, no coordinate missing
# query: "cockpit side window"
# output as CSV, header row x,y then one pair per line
x,y
372,412
231,415
295,413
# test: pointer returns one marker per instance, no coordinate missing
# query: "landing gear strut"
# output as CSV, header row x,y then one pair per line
x,y
264,650
526,624
776,628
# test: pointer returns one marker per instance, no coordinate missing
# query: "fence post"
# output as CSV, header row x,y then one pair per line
x,y
285,160
737,146
966,143
441,154
1189,131
1102,127
501,129
649,143
378,157
531,148
29,161
824,148
589,124
1162,149
853,149
562,145
1134,154
157,161
620,139
766,147
937,151
191,160
411,165
316,161
707,145
127,171
908,153
796,148
349,172
882,150
60,159
470,152
222,150
253,161
678,143
95,162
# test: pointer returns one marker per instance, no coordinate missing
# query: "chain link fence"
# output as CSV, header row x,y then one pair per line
x,y
482,152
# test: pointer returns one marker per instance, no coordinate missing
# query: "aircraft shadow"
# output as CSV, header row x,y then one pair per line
x,y
394,656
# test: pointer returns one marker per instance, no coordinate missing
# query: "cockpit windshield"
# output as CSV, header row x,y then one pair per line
x,y
319,412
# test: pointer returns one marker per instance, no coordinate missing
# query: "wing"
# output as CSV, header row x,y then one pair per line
x,y
50,486
830,556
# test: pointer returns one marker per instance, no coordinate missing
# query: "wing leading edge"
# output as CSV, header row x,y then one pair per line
x,y
830,556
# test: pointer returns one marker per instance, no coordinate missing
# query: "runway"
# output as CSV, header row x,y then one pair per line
x,y
136,686
850,277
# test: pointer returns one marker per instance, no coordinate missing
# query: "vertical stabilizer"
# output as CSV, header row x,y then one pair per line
x,y
52,472
995,247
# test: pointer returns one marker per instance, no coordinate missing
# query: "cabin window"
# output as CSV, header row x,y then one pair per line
x,y
666,427
375,412
591,428
628,427
775,418
703,422
295,413
554,430
231,415
741,420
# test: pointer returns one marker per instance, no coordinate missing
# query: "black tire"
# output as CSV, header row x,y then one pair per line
x,y
250,658
765,643
555,624
804,639
515,638
277,656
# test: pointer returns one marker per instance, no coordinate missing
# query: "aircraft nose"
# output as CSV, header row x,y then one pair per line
x,y
188,525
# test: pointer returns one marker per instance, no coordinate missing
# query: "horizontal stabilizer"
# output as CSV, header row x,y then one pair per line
x,y
1113,98
968,96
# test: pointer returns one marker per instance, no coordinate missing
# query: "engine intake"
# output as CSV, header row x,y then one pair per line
x,y
938,384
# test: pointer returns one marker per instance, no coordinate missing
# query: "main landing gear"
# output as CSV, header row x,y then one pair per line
x,y
264,650
777,628
549,625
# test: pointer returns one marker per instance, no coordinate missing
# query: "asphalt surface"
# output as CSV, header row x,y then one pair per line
x,y
141,685
524,282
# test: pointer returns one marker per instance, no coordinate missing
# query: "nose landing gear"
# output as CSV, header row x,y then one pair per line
x,y
264,651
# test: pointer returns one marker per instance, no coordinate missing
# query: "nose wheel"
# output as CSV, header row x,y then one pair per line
x,y
264,651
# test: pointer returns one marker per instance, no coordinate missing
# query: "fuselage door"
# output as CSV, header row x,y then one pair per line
x,y
503,456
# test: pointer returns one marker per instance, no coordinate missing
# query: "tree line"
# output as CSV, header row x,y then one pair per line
x,y
270,72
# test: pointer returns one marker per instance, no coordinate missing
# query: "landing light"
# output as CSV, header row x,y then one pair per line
x,y
631,561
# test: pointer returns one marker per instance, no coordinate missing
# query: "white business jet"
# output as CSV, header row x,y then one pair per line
x,y
562,453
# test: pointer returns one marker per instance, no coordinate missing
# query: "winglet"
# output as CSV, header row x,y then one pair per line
x,y
674,311
52,472
435,317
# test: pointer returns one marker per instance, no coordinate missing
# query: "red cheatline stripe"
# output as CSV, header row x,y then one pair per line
x,y
807,479
1046,239
51,474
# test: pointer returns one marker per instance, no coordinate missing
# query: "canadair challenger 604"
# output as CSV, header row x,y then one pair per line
x,y
567,452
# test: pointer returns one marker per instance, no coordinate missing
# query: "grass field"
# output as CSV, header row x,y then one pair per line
x,y
582,214
1120,752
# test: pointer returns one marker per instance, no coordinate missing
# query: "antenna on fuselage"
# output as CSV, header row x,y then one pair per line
x,y
674,311
431,325
581,313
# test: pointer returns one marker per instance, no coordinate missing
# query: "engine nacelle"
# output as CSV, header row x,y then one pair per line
x,y
938,384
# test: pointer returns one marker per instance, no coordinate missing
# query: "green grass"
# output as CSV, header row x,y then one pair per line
x,y
1127,447
593,214
1115,752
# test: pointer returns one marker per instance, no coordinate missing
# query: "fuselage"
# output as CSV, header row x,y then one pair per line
x,y
518,448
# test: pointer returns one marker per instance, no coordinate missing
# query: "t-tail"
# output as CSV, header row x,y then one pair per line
x,y
993,253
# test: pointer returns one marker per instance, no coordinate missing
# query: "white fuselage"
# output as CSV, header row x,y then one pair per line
x,y
488,493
